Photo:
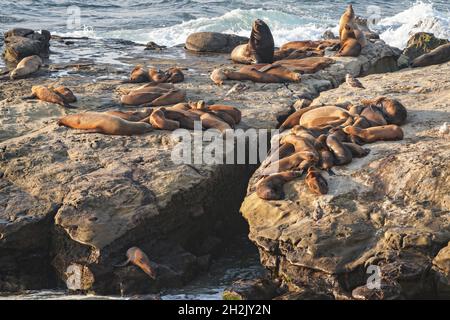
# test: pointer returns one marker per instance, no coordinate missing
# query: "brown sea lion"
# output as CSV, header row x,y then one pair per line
x,y
324,116
342,155
96,122
316,182
393,110
157,76
283,151
271,187
327,160
390,132
349,18
225,117
184,119
68,95
306,65
159,121
296,54
294,119
295,161
263,74
260,48
350,47
211,121
138,75
356,150
48,95
218,76
133,116
303,146
174,75
374,116
309,45
26,66
154,95
138,257
437,56
232,111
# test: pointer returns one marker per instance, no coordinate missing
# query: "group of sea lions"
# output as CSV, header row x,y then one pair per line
x,y
181,115
268,65
322,137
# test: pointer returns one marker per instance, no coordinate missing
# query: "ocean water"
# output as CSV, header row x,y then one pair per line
x,y
169,22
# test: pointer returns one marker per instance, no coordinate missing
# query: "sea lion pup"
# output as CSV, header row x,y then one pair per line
x,y
154,96
271,187
259,49
218,76
68,95
48,95
350,47
437,56
133,116
26,66
138,257
324,116
356,150
393,110
316,182
390,132
96,122
174,75
158,120
342,154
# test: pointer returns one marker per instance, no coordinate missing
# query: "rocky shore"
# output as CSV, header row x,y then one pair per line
x,y
71,204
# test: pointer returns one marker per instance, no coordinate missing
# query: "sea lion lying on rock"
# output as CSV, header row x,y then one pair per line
x,y
350,47
154,95
309,45
437,56
140,74
61,95
259,49
383,133
138,257
271,187
97,122
260,73
26,67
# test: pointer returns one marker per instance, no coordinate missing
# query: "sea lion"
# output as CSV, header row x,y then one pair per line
x,y
283,151
211,121
68,95
96,122
437,56
259,49
138,75
225,117
133,116
390,132
218,76
157,76
138,257
356,150
316,182
26,66
158,120
342,155
306,65
263,74
349,18
303,145
327,160
232,111
374,116
154,95
324,116
271,187
309,45
294,119
350,47
296,54
175,75
393,110
49,95
183,118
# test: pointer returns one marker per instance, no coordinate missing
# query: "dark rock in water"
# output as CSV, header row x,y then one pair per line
x,y
257,289
213,42
153,46
329,35
421,43
21,43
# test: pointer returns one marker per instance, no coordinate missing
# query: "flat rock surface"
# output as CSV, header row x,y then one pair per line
x,y
390,209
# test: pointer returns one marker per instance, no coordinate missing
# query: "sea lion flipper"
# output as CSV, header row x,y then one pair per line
x,y
123,264
30,97
269,67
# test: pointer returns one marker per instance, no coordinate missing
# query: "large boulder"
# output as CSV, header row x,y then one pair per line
x,y
386,215
421,43
213,42
21,43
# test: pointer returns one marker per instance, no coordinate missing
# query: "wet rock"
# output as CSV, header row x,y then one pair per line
x,y
21,43
153,46
258,289
329,35
213,42
388,210
421,43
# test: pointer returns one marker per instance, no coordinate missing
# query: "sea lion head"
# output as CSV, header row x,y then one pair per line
x,y
138,75
261,42
394,112
350,12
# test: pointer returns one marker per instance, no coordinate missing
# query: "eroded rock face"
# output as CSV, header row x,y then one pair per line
x,y
388,212
421,43
213,42
95,196
21,43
